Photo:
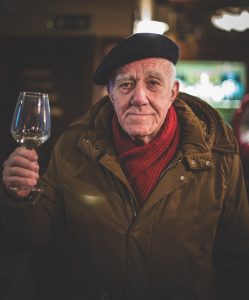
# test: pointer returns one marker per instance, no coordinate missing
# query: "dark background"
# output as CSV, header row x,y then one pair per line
x,y
54,46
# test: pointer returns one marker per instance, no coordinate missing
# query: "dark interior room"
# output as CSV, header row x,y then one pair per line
x,y
54,46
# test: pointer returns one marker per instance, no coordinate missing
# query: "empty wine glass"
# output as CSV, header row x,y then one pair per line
x,y
31,124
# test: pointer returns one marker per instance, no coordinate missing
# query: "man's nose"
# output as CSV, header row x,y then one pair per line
x,y
139,96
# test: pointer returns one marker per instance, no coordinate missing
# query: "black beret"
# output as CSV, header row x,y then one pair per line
x,y
135,47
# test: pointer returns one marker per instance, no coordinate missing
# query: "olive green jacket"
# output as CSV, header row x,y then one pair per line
x,y
190,241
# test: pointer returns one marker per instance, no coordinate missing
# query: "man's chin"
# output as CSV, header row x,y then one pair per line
x,y
140,133
140,137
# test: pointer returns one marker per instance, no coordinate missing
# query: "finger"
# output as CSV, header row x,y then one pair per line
x,y
20,172
22,162
19,192
18,182
17,176
30,154
21,169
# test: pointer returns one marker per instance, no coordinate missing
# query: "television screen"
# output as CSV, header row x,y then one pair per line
x,y
221,83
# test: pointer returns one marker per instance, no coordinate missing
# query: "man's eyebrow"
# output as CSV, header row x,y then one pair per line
x,y
156,74
121,78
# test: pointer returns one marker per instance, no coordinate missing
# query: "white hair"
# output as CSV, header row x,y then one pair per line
x,y
172,75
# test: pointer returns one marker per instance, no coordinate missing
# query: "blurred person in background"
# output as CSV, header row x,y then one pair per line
x,y
240,123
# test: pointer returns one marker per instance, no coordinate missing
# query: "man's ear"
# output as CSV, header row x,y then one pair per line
x,y
174,90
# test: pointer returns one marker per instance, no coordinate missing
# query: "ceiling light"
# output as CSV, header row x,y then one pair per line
x,y
150,26
231,18
144,20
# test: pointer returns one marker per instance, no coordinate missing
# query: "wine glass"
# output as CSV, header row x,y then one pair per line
x,y
31,124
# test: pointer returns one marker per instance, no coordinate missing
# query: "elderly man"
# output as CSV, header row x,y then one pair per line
x,y
144,197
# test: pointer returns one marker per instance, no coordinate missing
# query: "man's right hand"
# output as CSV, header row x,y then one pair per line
x,y
21,172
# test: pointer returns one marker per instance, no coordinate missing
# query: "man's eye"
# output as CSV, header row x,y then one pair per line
x,y
125,85
153,83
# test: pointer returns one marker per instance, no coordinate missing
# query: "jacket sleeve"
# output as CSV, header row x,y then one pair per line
x,y
231,251
32,223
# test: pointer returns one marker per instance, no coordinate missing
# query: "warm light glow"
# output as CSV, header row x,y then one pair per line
x,y
231,21
146,9
150,26
144,23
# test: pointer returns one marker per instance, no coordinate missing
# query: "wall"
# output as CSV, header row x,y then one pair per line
x,y
27,17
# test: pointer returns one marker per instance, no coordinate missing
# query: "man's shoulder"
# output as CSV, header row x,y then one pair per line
x,y
196,103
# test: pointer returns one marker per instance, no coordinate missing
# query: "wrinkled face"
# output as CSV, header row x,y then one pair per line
x,y
142,93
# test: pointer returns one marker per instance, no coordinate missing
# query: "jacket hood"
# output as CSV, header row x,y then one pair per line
x,y
203,131
199,117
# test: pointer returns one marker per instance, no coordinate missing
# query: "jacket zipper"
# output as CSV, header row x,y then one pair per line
x,y
132,202
134,210
133,205
170,166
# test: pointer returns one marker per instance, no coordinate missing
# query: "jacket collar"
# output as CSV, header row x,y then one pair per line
x,y
202,131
